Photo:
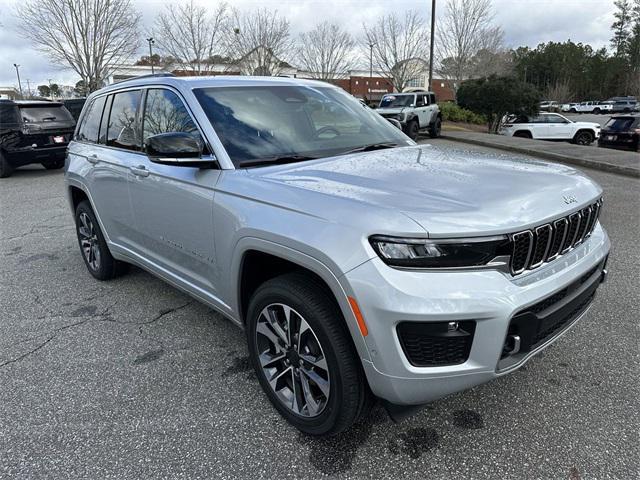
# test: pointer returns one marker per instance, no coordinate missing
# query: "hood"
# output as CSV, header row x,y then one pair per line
x,y
588,124
452,192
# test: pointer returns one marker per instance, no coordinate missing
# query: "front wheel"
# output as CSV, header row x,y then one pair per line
x,y
303,356
412,130
583,138
6,169
572,110
597,111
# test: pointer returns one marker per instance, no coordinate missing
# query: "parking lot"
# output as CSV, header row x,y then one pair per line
x,y
133,379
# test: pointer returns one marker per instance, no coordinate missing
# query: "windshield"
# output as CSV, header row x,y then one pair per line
x,y
41,114
393,101
297,122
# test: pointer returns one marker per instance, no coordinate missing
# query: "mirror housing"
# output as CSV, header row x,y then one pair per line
x,y
180,149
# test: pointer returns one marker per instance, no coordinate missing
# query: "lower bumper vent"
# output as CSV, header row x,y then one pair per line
x,y
436,344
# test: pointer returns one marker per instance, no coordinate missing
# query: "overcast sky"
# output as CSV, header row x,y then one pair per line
x,y
525,22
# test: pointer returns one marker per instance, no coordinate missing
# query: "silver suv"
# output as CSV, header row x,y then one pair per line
x,y
359,264
416,111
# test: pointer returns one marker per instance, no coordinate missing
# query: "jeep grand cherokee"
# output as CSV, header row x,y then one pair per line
x,y
359,264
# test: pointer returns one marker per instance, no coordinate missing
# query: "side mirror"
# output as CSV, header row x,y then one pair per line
x,y
177,148
395,123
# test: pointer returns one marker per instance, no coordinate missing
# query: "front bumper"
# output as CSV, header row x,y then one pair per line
x,y
388,296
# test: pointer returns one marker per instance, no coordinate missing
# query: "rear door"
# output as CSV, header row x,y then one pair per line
x,y
173,206
538,126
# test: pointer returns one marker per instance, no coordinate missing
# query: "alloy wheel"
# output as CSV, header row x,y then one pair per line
x,y
292,360
89,241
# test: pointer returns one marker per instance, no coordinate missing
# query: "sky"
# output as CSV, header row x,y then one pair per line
x,y
525,23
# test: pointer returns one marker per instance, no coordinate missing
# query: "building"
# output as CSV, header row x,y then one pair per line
x,y
9,93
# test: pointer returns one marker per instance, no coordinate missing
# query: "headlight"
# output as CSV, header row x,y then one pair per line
x,y
436,253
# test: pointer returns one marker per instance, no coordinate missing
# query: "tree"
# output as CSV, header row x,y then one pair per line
x,y
190,34
633,50
55,90
496,96
466,30
80,89
326,51
44,90
399,47
91,37
621,26
260,41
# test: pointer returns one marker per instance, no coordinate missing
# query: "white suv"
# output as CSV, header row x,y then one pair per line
x,y
550,126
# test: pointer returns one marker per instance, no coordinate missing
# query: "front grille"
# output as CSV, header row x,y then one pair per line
x,y
428,344
532,248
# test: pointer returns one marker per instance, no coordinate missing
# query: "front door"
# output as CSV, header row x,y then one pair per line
x,y
558,127
173,206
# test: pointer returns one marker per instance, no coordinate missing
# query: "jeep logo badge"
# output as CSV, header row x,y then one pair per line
x,y
569,199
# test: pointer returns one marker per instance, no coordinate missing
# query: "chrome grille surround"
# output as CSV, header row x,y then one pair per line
x,y
544,243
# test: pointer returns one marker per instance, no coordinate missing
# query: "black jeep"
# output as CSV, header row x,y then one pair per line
x,y
33,132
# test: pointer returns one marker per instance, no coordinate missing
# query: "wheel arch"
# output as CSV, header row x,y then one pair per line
x,y
519,133
256,261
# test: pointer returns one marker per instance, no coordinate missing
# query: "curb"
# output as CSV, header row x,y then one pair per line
x,y
558,157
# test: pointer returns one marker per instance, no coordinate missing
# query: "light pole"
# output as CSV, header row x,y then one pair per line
x,y
50,90
151,42
28,88
433,28
371,44
18,74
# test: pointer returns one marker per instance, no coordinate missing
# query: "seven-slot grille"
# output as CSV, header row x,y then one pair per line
x,y
544,243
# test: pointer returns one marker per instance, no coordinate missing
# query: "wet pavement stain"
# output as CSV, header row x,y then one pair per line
x,y
41,256
574,474
240,364
468,419
335,455
414,442
148,357
86,311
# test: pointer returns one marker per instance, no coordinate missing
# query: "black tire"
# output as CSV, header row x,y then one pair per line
x,y
572,110
583,137
597,111
349,395
523,134
106,266
6,169
54,165
436,128
412,130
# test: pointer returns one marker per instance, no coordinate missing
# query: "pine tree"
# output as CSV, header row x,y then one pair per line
x,y
621,26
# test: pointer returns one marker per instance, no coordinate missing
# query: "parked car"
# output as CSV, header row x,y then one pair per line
x,y
587,107
549,106
621,131
604,107
550,126
33,132
358,263
74,105
416,111
566,107
624,106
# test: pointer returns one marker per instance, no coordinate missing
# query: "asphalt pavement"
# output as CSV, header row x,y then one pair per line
x,y
133,379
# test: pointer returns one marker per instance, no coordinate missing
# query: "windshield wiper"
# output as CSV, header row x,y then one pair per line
x,y
274,160
369,148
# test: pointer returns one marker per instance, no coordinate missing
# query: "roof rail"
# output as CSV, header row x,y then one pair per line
x,y
151,75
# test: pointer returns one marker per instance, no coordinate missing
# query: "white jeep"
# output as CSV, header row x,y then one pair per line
x,y
415,111
550,126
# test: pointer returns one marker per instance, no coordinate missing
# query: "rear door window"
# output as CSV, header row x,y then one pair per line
x,y
122,130
91,122
102,139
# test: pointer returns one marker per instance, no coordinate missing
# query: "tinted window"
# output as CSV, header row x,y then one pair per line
x,y
420,101
122,131
555,119
267,122
105,119
432,97
8,114
44,114
164,112
620,124
91,121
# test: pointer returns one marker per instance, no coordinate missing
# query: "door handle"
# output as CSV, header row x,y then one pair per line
x,y
140,171
93,159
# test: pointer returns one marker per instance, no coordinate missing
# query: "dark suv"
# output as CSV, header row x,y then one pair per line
x,y
33,132
621,131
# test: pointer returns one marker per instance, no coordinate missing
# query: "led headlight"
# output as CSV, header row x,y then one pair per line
x,y
437,253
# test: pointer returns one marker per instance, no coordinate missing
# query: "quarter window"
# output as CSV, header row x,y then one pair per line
x,y
91,122
164,112
122,131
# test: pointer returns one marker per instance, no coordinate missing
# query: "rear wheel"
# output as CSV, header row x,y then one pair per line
x,y
6,169
572,110
93,246
583,137
54,165
303,356
412,130
436,128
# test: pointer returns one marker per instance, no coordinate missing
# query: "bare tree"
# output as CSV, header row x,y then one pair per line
x,y
465,30
326,51
190,34
90,36
259,41
399,47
